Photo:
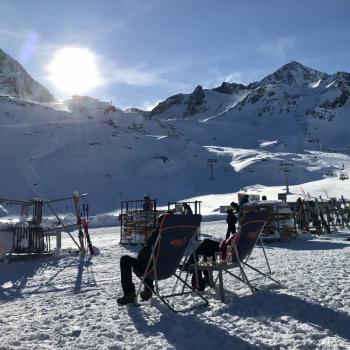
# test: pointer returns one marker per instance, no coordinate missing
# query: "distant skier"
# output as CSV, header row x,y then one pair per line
x,y
264,198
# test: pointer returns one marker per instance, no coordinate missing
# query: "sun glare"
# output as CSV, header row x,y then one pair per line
x,y
74,70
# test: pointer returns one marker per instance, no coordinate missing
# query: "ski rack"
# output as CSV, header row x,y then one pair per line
x,y
325,216
34,238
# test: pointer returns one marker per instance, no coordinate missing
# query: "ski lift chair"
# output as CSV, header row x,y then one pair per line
x,y
343,177
249,234
176,233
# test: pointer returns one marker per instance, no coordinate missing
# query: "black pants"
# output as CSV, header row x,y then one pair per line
x,y
207,248
231,228
127,264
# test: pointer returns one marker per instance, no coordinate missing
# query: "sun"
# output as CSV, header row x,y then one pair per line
x,y
74,70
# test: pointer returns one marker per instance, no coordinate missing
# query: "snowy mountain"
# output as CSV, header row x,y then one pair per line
x,y
294,105
295,114
296,75
16,82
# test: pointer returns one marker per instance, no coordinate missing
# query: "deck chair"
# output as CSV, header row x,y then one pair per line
x,y
248,236
176,234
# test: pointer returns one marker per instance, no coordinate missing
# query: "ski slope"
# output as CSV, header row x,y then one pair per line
x,y
49,153
69,302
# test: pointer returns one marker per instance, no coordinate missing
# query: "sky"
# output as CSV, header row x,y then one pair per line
x,y
146,51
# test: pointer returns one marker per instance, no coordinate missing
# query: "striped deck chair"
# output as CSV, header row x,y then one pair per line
x,y
176,233
246,239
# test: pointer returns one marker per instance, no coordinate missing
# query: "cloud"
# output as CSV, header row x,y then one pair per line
x,y
134,76
138,75
148,105
12,34
279,47
217,78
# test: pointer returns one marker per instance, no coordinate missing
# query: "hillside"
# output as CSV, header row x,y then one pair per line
x,y
16,82
84,144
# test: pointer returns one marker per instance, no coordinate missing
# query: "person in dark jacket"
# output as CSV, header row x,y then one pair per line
x,y
244,200
231,220
147,204
129,263
235,207
187,209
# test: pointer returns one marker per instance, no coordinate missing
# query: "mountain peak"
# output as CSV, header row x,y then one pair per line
x,y
16,82
229,88
294,74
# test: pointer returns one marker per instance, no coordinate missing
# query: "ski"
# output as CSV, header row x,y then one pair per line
x,y
85,223
328,214
79,223
346,211
323,221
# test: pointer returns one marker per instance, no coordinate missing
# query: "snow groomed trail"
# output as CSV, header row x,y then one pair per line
x,y
70,302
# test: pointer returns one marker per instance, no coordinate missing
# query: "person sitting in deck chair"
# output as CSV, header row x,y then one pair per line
x,y
128,263
187,209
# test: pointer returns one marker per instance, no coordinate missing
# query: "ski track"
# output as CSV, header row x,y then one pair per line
x,y
70,302
26,165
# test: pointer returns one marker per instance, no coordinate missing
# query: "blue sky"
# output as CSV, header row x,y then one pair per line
x,y
148,50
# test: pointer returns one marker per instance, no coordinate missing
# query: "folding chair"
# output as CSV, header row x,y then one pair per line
x,y
176,233
247,237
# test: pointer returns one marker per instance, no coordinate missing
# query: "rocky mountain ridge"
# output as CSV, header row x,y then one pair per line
x,y
16,82
288,83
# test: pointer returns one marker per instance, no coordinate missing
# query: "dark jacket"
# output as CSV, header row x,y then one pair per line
x,y
243,201
146,250
147,205
188,210
231,218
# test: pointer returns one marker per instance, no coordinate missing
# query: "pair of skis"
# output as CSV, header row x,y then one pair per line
x,y
82,223
315,213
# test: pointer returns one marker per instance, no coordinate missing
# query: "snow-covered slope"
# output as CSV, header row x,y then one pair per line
x,y
16,82
70,302
85,144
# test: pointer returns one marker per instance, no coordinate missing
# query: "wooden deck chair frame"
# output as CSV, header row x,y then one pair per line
x,y
152,266
239,263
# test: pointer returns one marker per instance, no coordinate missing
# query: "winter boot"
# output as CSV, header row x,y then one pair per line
x,y
146,294
127,299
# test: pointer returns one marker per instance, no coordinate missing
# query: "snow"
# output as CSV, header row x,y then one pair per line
x,y
268,143
315,85
330,84
70,302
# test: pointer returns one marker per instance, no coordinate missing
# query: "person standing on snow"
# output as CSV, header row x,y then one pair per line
x,y
147,205
244,200
231,220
